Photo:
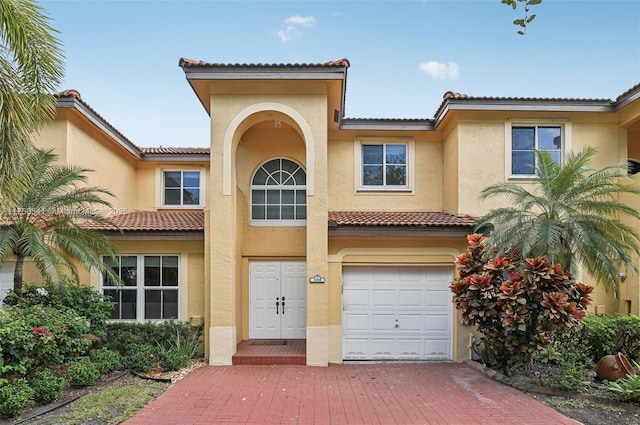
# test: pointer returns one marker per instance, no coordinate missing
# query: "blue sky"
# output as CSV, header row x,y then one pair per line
x,y
122,56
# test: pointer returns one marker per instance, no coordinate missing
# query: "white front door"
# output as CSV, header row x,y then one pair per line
x,y
278,299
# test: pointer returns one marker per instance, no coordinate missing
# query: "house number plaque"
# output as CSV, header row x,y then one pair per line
x,y
316,279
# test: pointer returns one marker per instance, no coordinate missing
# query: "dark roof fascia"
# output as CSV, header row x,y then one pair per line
x,y
628,97
192,157
256,72
94,118
195,235
522,105
209,71
382,124
401,231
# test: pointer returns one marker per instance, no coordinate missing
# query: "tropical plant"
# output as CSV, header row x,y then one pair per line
x,y
570,213
31,68
527,18
43,220
516,304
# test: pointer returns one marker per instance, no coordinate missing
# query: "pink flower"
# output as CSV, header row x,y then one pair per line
x,y
38,332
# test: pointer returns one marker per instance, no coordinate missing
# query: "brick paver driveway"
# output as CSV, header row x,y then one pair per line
x,y
391,393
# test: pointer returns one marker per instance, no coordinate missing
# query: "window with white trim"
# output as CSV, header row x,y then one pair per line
x,y
526,139
150,288
279,194
384,165
181,188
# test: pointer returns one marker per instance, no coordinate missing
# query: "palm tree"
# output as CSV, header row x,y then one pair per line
x,y
43,218
31,68
572,214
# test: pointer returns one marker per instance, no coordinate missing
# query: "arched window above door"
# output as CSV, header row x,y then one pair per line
x,y
279,194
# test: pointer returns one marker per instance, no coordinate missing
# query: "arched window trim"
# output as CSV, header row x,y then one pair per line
x,y
277,180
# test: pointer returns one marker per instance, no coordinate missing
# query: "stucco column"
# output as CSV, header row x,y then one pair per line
x,y
317,256
223,272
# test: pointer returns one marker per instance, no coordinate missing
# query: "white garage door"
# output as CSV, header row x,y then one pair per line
x,y
397,313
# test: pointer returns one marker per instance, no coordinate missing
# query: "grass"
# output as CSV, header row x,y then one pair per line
x,y
114,404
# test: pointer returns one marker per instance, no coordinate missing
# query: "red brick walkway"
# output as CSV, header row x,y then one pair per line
x,y
414,393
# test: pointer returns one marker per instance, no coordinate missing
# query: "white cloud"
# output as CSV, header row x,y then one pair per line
x,y
289,33
305,21
441,71
293,26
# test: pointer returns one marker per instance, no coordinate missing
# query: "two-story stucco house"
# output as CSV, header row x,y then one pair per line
x,y
299,223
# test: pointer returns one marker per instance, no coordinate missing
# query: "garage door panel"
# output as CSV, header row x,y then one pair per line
x,y
437,323
438,298
383,298
356,323
408,298
383,322
410,348
410,323
400,312
383,348
437,349
356,298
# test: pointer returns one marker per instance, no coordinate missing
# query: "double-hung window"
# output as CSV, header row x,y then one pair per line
x,y
181,188
526,139
384,165
150,287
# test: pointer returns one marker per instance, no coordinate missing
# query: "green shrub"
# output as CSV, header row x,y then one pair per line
x,y
141,358
38,336
168,344
105,359
568,376
47,385
15,397
85,301
169,359
83,372
598,336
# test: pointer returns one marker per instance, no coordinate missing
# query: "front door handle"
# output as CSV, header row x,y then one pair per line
x,y
283,304
277,305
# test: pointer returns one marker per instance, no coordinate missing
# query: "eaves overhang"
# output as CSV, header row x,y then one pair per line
x,y
176,157
155,235
522,105
628,97
70,99
387,124
399,231
198,71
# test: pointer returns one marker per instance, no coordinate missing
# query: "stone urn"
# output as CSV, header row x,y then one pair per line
x,y
614,367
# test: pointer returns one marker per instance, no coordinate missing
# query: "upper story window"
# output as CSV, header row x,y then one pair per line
x,y
279,194
526,139
384,165
181,188
150,287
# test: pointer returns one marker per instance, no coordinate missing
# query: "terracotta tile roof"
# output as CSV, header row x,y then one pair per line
x,y
399,218
170,150
191,63
161,221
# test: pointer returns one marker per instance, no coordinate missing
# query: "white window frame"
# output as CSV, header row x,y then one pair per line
x,y
201,188
140,288
359,164
565,134
276,222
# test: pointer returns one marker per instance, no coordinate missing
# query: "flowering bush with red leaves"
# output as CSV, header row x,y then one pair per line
x,y
516,305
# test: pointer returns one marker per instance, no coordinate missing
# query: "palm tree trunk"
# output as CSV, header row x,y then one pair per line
x,y
17,276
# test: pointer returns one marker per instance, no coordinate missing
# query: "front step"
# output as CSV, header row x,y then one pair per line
x,y
271,352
